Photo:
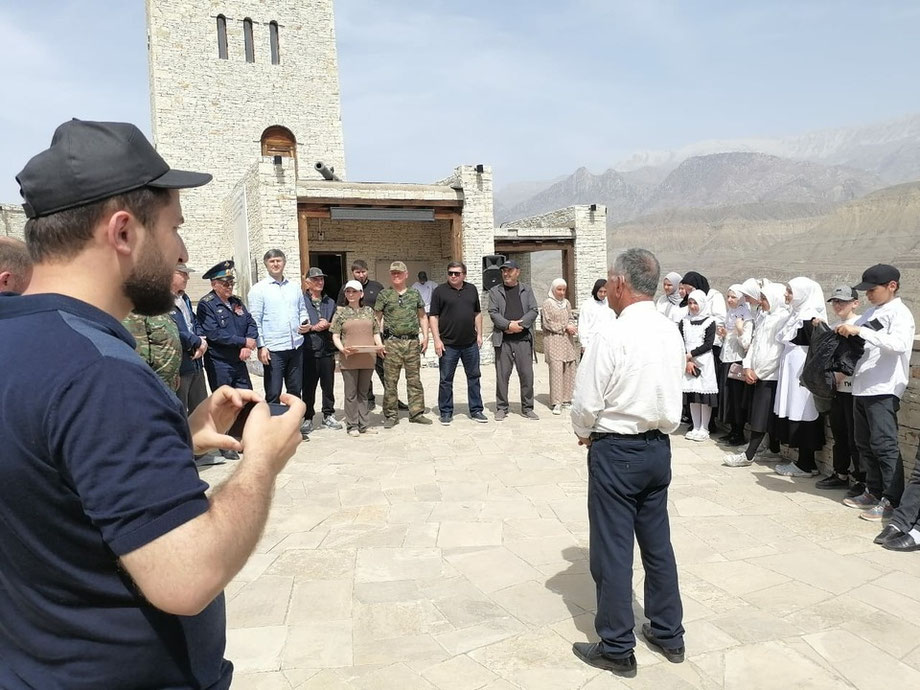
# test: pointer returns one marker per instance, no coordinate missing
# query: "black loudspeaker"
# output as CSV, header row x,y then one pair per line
x,y
491,273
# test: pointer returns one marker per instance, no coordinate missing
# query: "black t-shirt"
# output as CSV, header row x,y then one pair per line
x,y
456,311
96,462
514,310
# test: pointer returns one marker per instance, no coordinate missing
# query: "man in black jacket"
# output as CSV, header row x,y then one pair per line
x,y
319,352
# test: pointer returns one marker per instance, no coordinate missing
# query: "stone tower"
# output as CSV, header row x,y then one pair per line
x,y
234,83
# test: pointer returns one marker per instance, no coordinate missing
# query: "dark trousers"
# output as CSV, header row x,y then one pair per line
x,y
514,354
875,422
285,366
628,478
378,367
318,370
447,365
226,373
845,451
192,391
907,514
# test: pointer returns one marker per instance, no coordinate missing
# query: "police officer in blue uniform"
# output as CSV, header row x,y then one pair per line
x,y
229,328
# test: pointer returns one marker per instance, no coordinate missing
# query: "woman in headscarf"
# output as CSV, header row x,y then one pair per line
x,y
669,303
559,345
734,394
594,313
717,309
700,387
761,369
800,425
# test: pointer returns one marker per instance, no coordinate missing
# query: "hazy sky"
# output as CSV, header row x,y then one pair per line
x,y
536,89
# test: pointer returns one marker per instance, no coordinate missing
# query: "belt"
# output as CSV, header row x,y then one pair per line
x,y
400,337
647,435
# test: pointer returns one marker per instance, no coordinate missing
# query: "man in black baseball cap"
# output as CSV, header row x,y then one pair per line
x,y
104,450
880,274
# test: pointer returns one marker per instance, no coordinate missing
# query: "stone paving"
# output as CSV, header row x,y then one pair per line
x,y
455,558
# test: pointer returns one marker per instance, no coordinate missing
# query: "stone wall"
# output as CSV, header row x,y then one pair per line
x,y
12,221
909,416
209,114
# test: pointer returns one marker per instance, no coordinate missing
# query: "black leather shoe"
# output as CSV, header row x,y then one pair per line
x,y
673,654
832,482
400,405
889,532
905,542
591,654
856,489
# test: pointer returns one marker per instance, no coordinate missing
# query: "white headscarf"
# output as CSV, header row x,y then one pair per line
x,y
556,283
700,298
807,300
775,294
674,296
749,287
742,311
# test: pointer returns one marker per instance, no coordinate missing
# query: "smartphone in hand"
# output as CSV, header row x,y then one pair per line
x,y
236,430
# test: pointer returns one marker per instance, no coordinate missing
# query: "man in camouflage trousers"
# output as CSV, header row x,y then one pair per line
x,y
401,315
158,344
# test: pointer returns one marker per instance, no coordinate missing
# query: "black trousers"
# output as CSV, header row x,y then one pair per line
x,y
192,390
846,454
378,367
875,420
907,514
318,370
285,366
628,478
514,354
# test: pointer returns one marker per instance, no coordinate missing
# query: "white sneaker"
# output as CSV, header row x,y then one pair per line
x,y
691,435
701,435
736,460
557,409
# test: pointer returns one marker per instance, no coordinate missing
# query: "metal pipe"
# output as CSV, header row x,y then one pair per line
x,y
327,173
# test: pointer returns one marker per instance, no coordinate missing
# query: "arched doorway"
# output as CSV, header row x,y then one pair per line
x,y
279,141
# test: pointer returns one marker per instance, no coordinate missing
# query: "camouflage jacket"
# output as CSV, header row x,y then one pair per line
x,y
158,344
400,312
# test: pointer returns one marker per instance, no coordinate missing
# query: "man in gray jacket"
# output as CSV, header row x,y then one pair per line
x,y
513,310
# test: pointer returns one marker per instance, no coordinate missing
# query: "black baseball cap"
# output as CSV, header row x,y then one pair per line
x,y
510,263
880,274
92,161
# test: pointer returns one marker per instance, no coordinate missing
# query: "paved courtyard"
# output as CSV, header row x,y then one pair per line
x,y
456,558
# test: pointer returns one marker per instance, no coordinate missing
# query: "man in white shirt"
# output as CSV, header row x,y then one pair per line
x,y
278,308
627,400
425,288
879,381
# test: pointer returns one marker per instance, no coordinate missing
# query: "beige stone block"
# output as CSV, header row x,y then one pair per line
x,y
395,677
421,535
749,625
318,564
321,600
458,673
261,603
417,651
821,569
475,636
493,569
544,550
398,619
275,680
256,649
862,664
467,534
737,577
457,511
532,603
383,565
783,599
775,666
256,564
380,592
318,645
532,654
700,507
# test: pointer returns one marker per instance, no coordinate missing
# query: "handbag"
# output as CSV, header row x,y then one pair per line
x,y
736,372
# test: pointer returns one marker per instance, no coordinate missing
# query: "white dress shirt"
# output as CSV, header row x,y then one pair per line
x,y
278,309
629,380
884,368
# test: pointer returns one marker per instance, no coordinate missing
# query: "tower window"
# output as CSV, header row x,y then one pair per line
x,y
273,38
221,37
247,40
279,141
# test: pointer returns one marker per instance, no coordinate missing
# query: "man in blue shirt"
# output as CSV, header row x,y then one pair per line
x,y
278,309
112,557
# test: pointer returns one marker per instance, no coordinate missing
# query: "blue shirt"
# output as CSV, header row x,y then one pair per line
x,y
96,462
278,309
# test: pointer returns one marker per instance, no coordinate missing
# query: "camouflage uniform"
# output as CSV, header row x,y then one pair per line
x,y
400,336
158,344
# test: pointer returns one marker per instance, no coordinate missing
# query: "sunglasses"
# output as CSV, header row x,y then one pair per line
x,y
226,282
455,273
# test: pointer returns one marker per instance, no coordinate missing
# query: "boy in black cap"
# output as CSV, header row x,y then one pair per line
x,y
879,381
102,512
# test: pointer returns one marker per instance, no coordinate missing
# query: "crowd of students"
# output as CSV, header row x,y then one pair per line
x,y
768,359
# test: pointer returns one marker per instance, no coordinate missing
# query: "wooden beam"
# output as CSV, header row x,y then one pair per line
x,y
316,213
456,237
504,246
568,274
303,233
455,204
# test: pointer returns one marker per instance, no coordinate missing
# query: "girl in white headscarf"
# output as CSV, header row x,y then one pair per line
x,y
669,303
800,425
737,334
701,389
559,348
761,370
594,314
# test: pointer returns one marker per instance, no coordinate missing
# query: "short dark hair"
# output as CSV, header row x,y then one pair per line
x,y
457,264
273,254
64,234
359,264
14,256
